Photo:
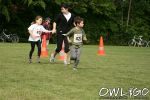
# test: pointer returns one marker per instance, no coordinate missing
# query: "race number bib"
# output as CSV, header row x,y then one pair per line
x,y
77,38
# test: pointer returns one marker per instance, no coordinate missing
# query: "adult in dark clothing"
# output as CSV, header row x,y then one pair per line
x,y
63,23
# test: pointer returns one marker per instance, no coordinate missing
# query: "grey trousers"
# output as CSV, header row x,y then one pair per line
x,y
75,55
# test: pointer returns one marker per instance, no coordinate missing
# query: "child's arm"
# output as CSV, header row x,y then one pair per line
x,y
68,39
84,37
46,31
69,33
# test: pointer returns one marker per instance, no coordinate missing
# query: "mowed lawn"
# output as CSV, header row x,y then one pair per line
x,y
121,67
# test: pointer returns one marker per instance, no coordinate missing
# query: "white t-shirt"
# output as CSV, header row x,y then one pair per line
x,y
67,16
36,31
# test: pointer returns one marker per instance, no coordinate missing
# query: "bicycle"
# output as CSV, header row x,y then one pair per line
x,y
10,37
138,41
148,44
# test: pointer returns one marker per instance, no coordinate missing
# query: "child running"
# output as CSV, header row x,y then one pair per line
x,y
35,31
77,35
46,25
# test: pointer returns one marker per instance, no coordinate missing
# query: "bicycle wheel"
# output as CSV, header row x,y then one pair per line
x,y
131,43
144,43
148,44
1,39
17,39
4,39
14,39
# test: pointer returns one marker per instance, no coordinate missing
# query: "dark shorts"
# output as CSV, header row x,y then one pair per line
x,y
60,40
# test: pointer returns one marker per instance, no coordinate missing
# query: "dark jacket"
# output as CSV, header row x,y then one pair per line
x,y
62,25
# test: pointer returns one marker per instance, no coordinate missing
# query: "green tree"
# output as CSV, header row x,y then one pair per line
x,y
4,8
110,18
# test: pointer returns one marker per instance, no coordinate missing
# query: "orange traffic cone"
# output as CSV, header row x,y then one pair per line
x,y
44,51
62,53
101,47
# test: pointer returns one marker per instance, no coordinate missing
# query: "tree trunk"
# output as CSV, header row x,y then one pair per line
x,y
129,13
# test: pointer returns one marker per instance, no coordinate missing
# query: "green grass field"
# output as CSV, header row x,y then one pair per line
x,y
121,67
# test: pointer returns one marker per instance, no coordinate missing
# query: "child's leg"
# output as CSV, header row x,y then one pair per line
x,y
78,53
68,58
38,43
32,50
73,53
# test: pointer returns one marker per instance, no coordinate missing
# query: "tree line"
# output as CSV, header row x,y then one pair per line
x,y
116,20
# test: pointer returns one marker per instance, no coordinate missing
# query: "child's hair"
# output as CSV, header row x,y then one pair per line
x,y
38,17
78,20
47,18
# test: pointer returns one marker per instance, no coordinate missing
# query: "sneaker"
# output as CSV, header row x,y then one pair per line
x,y
52,59
65,62
75,69
38,60
69,63
30,61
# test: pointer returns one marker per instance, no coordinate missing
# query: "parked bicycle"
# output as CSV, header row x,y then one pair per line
x,y
138,41
9,37
148,43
